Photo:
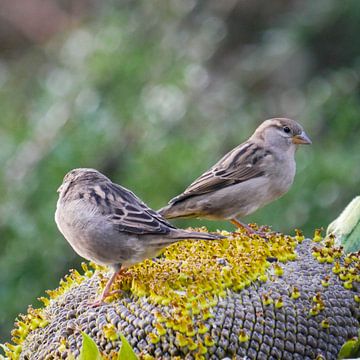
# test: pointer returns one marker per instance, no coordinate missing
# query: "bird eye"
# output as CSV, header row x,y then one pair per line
x,y
286,129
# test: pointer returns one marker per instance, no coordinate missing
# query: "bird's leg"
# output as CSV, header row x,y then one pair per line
x,y
247,228
241,225
106,292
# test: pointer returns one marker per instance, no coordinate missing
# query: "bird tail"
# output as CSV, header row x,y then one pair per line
x,y
173,212
165,211
185,234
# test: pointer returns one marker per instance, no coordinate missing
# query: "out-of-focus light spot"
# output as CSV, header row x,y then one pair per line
x,y
59,81
203,45
77,47
297,215
109,39
320,91
36,147
55,118
346,80
107,125
278,42
183,7
24,226
196,76
87,101
327,193
215,28
166,101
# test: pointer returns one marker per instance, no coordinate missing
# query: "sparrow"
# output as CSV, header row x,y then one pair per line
x,y
253,174
109,225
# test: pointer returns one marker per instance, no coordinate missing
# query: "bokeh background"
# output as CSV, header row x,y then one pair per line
x,y
152,93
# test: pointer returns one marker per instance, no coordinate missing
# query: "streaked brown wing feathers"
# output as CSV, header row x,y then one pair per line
x,y
241,164
130,214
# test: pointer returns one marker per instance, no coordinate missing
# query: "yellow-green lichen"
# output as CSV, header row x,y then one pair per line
x,y
188,280
347,271
36,318
190,277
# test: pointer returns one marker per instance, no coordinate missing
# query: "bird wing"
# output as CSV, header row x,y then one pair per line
x,y
129,214
243,163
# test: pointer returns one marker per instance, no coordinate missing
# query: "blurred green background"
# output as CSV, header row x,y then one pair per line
x,y
152,93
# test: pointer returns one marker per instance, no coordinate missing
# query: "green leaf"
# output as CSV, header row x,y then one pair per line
x,y
351,349
347,226
89,349
126,352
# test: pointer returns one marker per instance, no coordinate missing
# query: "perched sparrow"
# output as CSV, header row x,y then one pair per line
x,y
253,174
109,225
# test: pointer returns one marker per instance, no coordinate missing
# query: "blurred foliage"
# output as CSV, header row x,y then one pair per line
x,y
152,94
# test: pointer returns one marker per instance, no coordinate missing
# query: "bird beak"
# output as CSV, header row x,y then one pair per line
x,y
301,139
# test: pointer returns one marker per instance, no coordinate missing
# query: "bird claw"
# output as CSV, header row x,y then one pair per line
x,y
116,292
263,231
101,300
263,235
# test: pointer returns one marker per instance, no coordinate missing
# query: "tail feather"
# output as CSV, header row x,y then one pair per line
x,y
172,212
164,211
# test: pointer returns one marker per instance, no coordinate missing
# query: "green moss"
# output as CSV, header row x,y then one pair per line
x,y
173,302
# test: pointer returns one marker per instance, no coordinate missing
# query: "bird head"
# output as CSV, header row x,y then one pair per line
x,y
282,132
80,175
